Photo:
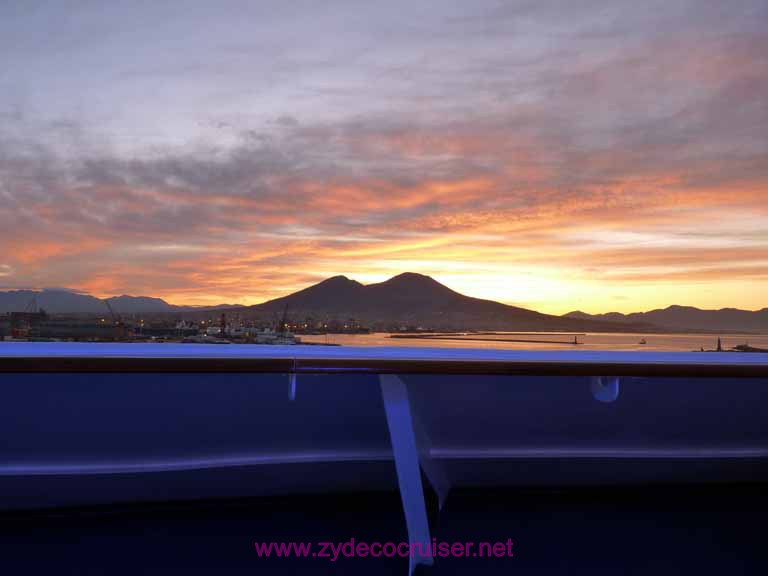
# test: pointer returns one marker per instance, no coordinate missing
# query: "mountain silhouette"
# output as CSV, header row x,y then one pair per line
x,y
55,301
61,301
408,299
688,318
415,300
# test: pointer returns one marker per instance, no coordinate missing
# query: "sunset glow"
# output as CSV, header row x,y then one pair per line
x,y
612,160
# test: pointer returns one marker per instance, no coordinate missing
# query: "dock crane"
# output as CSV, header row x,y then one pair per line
x,y
281,324
22,323
120,328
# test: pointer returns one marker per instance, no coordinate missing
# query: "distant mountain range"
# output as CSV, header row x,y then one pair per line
x,y
688,318
408,299
58,301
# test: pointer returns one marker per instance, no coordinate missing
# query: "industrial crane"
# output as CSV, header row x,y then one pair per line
x,y
22,323
117,322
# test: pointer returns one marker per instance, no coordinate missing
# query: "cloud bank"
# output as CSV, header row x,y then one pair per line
x,y
559,155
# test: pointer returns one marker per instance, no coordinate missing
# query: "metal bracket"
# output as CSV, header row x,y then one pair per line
x,y
605,388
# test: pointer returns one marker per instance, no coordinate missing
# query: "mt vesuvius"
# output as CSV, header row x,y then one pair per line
x,y
417,300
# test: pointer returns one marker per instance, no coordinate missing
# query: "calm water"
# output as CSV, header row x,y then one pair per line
x,y
615,341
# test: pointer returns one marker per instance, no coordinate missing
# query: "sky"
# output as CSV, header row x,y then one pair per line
x,y
557,155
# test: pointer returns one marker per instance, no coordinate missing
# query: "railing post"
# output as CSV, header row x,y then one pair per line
x,y
402,434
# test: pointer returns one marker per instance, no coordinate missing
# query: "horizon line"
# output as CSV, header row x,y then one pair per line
x,y
346,277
